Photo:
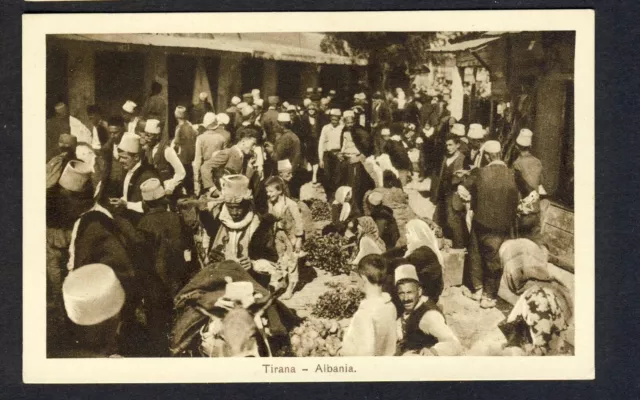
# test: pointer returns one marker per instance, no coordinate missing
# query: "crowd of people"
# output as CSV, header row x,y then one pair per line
x,y
121,249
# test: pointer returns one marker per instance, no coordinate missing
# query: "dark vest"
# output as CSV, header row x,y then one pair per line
x,y
164,168
414,338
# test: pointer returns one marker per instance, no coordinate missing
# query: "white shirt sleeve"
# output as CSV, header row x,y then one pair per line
x,y
135,206
95,140
178,169
433,323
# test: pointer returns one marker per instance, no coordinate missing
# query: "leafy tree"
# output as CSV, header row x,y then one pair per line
x,y
386,51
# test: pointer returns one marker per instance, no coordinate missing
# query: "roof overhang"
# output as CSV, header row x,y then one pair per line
x,y
254,48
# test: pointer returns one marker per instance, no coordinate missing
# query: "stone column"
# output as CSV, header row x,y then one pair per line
x,y
81,81
269,79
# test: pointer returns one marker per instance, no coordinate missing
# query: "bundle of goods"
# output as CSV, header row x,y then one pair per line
x,y
317,338
320,210
331,253
339,303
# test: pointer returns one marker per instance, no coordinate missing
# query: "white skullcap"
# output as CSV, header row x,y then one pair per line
x,y
203,96
129,106
524,137
130,143
209,119
406,272
235,100
492,146
75,176
152,126
152,189
223,118
92,294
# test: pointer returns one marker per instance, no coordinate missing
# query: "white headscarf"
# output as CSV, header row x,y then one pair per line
x,y
423,236
341,198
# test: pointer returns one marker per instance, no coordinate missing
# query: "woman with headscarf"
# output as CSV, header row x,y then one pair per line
x,y
539,320
423,252
368,238
342,211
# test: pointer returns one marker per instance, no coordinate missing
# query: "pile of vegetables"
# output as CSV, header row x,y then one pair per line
x,y
320,210
339,303
317,338
329,253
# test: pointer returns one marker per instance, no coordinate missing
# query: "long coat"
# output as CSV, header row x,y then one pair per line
x,y
494,196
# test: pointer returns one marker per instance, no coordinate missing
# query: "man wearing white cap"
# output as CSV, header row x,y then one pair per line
x,y
450,213
129,114
63,122
159,235
528,173
421,327
309,136
287,147
155,107
93,299
459,130
136,172
184,144
233,224
232,112
69,194
329,147
207,144
357,145
476,137
199,109
494,200
233,160
163,157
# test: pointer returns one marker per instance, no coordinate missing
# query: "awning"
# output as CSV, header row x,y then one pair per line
x,y
259,49
467,45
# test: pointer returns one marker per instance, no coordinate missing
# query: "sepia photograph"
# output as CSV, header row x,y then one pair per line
x,y
322,195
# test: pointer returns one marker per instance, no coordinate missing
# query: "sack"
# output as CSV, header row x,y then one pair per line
x,y
55,166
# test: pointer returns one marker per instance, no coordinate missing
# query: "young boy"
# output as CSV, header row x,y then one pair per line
x,y
372,330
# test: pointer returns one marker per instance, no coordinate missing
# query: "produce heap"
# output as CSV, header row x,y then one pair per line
x,y
317,337
338,303
329,253
320,210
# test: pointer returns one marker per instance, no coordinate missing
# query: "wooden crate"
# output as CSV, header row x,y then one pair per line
x,y
557,230
453,266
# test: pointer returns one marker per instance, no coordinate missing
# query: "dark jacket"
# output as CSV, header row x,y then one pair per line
x,y
427,266
287,146
414,338
160,163
185,143
269,124
398,155
387,225
380,115
447,180
494,196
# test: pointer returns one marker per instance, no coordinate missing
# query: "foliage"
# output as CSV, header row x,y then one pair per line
x,y
338,303
320,210
328,253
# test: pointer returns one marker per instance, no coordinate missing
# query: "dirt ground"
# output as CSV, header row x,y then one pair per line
x,y
476,328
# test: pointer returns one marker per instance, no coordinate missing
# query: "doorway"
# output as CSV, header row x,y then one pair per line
x,y
119,77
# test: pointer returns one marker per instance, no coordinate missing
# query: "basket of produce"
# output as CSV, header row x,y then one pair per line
x,y
317,337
